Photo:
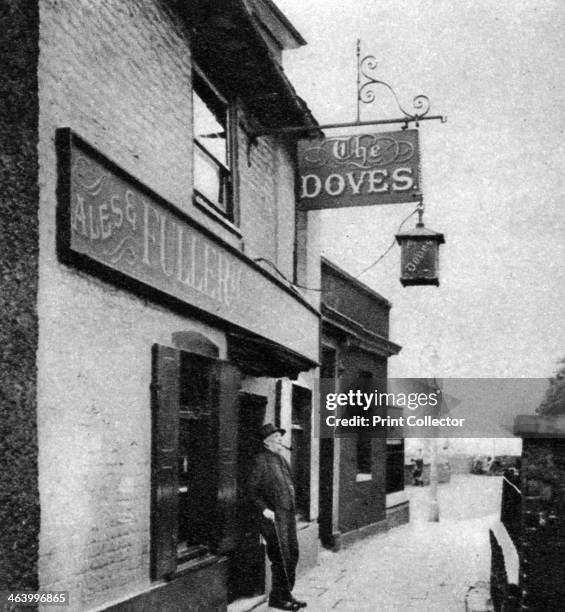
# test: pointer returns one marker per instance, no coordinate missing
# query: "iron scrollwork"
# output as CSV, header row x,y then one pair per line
x,y
366,91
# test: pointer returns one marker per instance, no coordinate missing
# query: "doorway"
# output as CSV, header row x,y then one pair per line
x,y
326,473
247,562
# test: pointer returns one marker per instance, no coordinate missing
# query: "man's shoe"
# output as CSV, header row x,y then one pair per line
x,y
299,604
283,605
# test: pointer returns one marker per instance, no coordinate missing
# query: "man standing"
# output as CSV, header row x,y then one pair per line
x,y
272,492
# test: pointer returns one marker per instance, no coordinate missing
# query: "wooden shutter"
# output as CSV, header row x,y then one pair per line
x,y
164,482
225,390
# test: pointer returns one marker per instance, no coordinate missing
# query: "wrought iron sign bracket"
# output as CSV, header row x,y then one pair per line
x,y
367,83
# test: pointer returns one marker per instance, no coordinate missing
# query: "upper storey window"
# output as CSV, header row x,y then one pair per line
x,y
212,155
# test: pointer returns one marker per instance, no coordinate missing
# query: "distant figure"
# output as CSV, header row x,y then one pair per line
x,y
490,461
418,469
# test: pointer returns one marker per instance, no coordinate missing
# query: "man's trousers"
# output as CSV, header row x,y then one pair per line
x,y
282,552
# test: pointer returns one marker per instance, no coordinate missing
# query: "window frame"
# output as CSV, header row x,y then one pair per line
x,y
364,456
224,382
202,84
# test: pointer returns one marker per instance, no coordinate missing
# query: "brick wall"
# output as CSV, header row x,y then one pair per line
x,y
119,74
285,211
355,301
19,501
307,248
257,198
267,202
361,503
270,226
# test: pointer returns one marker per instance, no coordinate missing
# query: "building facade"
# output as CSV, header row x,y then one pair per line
x,y
361,474
149,275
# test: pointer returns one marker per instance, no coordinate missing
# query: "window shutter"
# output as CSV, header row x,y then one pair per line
x,y
164,481
226,389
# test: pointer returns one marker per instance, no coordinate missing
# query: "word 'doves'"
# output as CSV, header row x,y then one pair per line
x,y
357,183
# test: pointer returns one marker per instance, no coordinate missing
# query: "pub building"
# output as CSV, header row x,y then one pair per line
x,y
152,319
361,486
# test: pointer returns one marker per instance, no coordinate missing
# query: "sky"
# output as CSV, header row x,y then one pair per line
x,y
493,174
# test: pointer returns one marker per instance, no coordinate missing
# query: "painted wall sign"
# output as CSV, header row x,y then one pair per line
x,y
108,217
359,170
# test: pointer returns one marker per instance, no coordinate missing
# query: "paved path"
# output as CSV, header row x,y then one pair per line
x,y
419,567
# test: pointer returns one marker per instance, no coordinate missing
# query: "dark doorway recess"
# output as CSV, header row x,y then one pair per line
x,y
326,475
247,562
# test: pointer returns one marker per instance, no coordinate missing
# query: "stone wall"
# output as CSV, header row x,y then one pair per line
x,y
542,550
540,536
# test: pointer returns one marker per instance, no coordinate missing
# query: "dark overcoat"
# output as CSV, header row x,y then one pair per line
x,y
271,487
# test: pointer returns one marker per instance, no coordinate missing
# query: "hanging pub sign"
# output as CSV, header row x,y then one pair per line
x,y
359,170
419,256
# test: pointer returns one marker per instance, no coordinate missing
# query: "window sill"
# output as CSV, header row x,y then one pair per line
x,y
396,498
216,216
363,477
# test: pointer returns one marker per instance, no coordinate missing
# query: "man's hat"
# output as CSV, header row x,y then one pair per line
x,y
269,429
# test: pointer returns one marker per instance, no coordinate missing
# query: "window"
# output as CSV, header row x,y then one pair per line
x,y
300,456
364,452
212,151
196,456
194,442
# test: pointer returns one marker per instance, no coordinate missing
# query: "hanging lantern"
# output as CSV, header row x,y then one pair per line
x,y
419,259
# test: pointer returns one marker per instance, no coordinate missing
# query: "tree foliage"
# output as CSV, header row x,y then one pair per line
x,y
554,400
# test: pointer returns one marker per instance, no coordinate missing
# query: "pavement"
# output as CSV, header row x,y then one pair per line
x,y
418,567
